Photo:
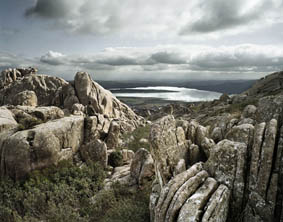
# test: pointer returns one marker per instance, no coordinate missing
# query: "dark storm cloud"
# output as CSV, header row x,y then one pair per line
x,y
50,8
134,18
167,58
222,14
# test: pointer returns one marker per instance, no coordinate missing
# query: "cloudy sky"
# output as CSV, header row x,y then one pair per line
x,y
122,39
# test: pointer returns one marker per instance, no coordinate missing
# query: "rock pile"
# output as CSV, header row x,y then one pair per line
x,y
37,128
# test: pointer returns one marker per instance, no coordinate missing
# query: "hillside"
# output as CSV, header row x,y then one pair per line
x,y
72,151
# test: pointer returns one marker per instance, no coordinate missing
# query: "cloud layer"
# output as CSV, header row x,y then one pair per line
x,y
168,60
135,17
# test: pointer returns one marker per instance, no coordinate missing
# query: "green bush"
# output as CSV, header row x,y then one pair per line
x,y
120,204
70,193
53,194
28,123
115,159
138,134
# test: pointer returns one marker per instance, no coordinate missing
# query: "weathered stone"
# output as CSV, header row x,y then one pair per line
x,y
217,134
78,109
247,121
26,98
270,107
194,154
183,193
249,112
180,167
45,87
69,96
242,133
128,155
169,190
168,146
142,166
227,163
7,120
192,210
192,130
95,151
112,140
41,146
101,100
217,208
96,127
44,113
262,181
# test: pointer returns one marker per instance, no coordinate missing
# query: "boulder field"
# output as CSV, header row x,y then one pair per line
x,y
214,161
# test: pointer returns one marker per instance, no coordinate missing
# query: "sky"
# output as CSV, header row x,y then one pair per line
x,y
143,39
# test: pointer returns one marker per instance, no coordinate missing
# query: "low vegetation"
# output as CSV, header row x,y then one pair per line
x,y
135,138
70,193
28,123
115,159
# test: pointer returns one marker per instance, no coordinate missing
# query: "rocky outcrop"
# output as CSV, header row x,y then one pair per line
x,y
168,146
45,87
263,180
270,84
227,164
192,196
99,99
42,146
9,76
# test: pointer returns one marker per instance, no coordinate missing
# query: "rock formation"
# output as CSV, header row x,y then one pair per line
x,y
37,129
214,161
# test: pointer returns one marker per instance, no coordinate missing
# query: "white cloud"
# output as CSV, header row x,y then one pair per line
x,y
53,58
175,60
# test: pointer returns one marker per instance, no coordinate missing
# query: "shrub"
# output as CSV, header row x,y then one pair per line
x,y
115,159
70,193
138,134
119,204
28,123
52,194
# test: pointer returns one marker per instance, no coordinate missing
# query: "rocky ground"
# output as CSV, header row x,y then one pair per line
x,y
209,161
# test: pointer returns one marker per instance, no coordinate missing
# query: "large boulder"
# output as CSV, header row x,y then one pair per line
x,y
44,113
227,163
95,151
168,146
40,147
113,135
270,107
26,98
242,133
7,120
142,166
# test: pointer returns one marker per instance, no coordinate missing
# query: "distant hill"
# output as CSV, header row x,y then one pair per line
x,y
269,85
